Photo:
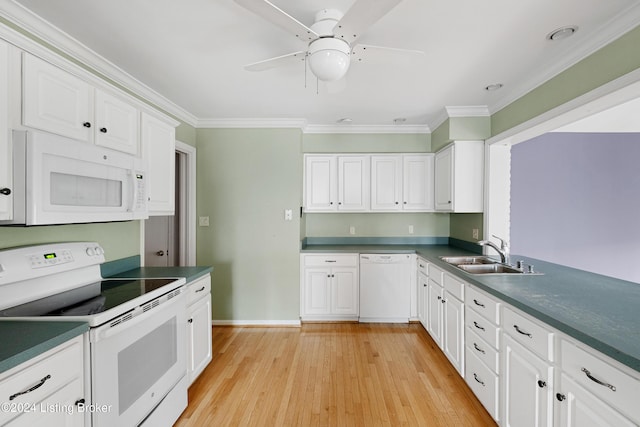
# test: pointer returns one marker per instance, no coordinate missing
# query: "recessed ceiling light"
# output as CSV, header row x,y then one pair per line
x,y
344,121
494,86
562,33
399,120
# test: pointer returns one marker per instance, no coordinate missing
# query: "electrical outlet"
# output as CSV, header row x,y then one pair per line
x,y
352,230
288,215
411,229
476,233
203,221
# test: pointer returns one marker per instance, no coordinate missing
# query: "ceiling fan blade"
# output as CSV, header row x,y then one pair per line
x,y
362,15
361,52
279,17
278,61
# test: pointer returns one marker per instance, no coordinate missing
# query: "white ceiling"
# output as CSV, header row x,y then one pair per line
x,y
193,51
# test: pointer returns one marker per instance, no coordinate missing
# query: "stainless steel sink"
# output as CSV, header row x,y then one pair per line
x,y
496,268
468,260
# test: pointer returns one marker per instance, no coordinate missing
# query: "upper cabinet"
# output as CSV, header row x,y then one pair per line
x,y
459,177
402,182
6,176
159,148
56,101
335,183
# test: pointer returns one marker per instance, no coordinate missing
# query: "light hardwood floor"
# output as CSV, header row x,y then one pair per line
x,y
335,374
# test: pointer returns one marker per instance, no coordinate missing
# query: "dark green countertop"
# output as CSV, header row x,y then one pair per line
x,y
24,340
189,273
598,310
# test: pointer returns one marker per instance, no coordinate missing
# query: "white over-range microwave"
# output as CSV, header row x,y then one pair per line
x,y
57,180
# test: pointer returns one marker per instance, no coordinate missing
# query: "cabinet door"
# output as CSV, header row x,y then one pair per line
x,y
317,291
54,100
353,183
386,183
443,178
116,123
198,337
57,410
577,407
423,299
417,182
526,386
320,183
344,291
6,167
434,313
453,332
159,145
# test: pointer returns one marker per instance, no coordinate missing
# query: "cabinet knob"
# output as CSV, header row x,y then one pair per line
x,y
79,402
5,191
86,124
160,253
190,321
560,397
103,130
396,203
542,384
405,203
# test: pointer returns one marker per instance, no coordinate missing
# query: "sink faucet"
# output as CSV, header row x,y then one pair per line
x,y
503,250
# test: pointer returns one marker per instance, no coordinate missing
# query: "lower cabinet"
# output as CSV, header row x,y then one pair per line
x,y
423,298
434,311
330,287
46,390
453,331
198,327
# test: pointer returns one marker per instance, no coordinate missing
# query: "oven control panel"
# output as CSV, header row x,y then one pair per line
x,y
51,258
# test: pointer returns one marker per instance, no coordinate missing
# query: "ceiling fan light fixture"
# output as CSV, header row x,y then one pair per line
x,y
562,33
329,58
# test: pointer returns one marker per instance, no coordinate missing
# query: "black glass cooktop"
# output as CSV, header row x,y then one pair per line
x,y
86,300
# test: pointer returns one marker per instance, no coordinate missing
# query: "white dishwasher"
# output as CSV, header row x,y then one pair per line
x,y
385,286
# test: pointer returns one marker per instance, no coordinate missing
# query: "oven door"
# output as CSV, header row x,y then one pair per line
x,y
137,362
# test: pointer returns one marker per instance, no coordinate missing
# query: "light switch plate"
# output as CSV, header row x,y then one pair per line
x,y
203,221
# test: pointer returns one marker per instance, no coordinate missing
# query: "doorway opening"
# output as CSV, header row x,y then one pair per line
x,y
170,240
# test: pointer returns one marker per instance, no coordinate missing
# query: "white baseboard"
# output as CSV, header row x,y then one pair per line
x,y
273,323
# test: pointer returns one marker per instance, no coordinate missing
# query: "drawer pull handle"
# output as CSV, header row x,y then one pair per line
x,y
330,260
477,326
421,266
35,387
520,331
478,348
200,290
595,380
475,377
477,303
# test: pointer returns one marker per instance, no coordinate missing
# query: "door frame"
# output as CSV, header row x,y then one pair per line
x,y
186,203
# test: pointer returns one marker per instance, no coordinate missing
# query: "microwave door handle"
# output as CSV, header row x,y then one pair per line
x,y
134,190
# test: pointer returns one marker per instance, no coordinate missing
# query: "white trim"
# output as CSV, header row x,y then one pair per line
x,y
275,323
609,31
44,30
251,123
367,129
188,237
468,111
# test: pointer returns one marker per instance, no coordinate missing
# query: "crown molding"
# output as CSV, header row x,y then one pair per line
x,y
468,111
250,123
58,39
608,32
381,129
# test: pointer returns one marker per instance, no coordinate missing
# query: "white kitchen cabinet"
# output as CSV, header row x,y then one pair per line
x,y
402,182
423,292
198,327
434,311
6,167
336,183
527,386
116,123
59,376
55,100
159,150
459,177
453,331
329,287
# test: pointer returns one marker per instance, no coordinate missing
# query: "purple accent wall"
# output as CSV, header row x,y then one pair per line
x,y
575,201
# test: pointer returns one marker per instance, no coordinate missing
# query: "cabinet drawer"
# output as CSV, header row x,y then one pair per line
x,y
423,266
454,286
198,289
487,354
50,372
484,328
484,384
601,378
435,274
331,260
483,304
532,335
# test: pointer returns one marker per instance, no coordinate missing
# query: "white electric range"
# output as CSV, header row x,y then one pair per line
x,y
137,335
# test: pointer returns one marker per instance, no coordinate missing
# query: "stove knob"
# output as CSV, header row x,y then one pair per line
x,y
98,250
91,252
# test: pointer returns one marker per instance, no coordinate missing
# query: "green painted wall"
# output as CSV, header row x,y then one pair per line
x,y
246,179
612,61
377,224
366,143
462,225
119,239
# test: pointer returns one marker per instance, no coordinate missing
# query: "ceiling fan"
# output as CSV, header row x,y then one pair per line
x,y
331,38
